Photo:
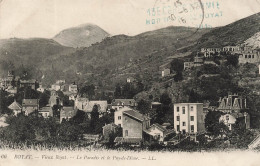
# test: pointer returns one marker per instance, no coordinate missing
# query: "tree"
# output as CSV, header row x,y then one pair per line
x,y
213,125
144,106
177,65
20,129
44,98
94,118
118,91
80,117
88,91
69,131
232,60
5,101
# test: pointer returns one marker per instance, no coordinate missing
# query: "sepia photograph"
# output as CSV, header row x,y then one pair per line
x,y
130,82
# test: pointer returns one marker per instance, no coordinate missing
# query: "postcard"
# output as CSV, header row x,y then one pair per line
x,y
130,82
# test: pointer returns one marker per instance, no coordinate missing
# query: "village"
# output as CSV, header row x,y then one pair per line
x,y
129,125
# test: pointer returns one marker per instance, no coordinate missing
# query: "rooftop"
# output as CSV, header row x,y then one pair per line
x,y
130,102
124,109
68,112
15,106
30,102
160,127
45,109
136,115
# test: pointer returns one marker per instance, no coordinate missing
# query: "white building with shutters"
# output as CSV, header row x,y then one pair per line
x,y
189,118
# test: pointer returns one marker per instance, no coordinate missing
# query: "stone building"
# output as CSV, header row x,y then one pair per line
x,y
15,107
232,103
120,103
189,118
134,123
210,52
30,106
230,119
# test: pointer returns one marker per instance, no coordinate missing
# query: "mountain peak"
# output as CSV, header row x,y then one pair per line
x,y
83,35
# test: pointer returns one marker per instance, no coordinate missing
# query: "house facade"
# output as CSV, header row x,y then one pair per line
x,y
45,111
73,88
134,123
30,105
120,103
67,113
101,105
118,116
15,107
230,119
232,103
158,132
189,118
80,103
33,84
210,52
54,99
166,72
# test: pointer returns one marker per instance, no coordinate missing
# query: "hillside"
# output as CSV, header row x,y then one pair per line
x,y
232,34
81,36
121,55
254,41
114,58
15,52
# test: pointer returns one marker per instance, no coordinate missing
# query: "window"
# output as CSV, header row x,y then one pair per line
x,y
227,117
192,128
183,123
245,56
178,118
178,109
119,117
192,118
178,127
191,108
253,56
183,110
126,133
249,56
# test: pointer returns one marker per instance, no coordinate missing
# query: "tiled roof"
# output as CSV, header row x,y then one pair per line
x,y
166,124
32,81
110,125
30,102
156,103
127,102
15,106
45,109
160,127
124,109
237,115
68,112
2,121
136,115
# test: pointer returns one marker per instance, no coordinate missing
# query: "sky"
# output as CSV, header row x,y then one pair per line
x,y
46,18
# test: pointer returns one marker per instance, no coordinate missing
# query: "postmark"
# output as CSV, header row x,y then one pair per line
x,y
188,13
